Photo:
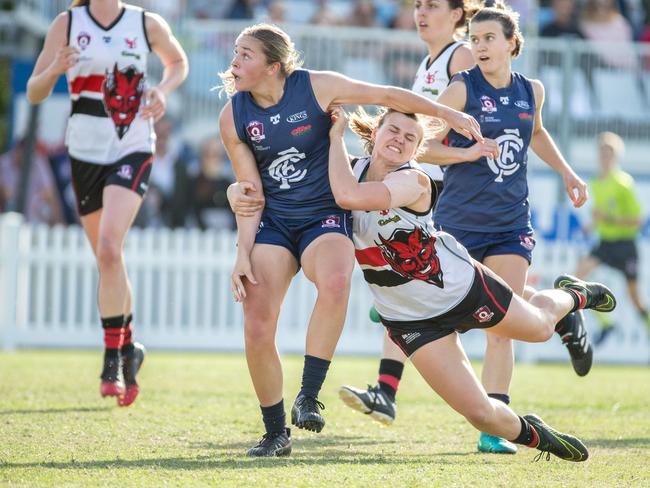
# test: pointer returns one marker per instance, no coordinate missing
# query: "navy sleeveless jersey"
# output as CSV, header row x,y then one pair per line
x,y
290,141
491,195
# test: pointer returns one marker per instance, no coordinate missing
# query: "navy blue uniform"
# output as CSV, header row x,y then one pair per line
x,y
484,203
290,141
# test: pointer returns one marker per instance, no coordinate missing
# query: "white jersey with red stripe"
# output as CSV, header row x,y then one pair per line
x,y
413,271
431,79
107,86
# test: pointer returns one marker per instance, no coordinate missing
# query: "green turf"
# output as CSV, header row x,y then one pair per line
x,y
197,415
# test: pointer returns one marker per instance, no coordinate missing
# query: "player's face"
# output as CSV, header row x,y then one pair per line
x,y
249,64
434,18
490,48
398,138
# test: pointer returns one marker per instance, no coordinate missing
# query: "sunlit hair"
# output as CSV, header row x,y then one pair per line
x,y
277,47
500,12
612,140
363,124
79,3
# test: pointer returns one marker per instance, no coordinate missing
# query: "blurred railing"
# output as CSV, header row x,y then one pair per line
x,y
182,298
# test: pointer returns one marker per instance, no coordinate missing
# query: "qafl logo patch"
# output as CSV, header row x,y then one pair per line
x,y
255,130
83,39
483,314
488,104
125,172
331,222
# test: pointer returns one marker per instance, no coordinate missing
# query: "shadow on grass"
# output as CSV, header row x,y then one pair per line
x,y
312,443
28,411
618,443
240,461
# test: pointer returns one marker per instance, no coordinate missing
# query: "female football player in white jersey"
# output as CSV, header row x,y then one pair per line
x,y
441,24
484,203
102,47
426,286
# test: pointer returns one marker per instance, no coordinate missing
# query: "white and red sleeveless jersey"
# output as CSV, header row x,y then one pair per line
x,y
414,271
431,79
107,86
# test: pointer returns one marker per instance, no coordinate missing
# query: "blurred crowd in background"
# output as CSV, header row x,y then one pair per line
x,y
188,182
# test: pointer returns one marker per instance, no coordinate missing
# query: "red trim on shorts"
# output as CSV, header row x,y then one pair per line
x,y
371,256
487,290
142,168
390,380
92,83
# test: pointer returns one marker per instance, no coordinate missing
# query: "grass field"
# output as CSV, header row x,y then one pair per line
x,y
197,415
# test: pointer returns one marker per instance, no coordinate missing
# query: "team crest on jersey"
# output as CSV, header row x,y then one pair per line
x,y
412,254
331,222
255,130
483,314
123,91
130,43
275,119
283,168
510,145
83,39
430,78
488,104
125,172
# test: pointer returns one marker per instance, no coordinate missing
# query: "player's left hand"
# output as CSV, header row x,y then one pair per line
x,y
156,104
464,124
576,189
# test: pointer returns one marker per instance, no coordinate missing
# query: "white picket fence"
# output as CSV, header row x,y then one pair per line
x,y
182,300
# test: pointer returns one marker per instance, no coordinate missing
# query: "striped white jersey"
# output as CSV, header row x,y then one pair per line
x,y
413,271
431,79
106,87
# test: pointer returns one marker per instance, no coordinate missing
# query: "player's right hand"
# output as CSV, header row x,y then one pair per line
x,y
240,272
66,57
489,148
244,199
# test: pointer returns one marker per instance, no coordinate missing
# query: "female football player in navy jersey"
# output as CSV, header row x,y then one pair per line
x,y
426,285
102,47
275,129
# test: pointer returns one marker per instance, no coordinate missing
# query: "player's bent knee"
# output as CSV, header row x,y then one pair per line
x,y
480,415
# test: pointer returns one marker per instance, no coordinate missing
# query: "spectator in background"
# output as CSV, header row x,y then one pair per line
x,y
403,18
363,14
42,204
564,23
209,204
276,12
324,15
242,10
617,223
602,21
167,198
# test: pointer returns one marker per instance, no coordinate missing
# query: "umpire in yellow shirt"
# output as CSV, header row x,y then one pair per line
x,y
617,221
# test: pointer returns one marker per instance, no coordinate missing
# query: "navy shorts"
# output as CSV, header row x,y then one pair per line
x,y
483,244
89,179
296,234
620,255
484,306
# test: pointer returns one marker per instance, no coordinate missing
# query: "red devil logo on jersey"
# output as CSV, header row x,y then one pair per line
x,y
122,94
413,255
